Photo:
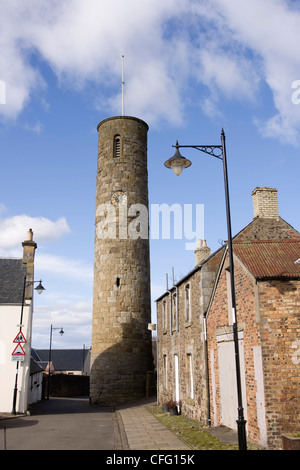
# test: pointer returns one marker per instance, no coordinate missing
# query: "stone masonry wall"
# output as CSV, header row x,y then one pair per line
x,y
121,343
185,338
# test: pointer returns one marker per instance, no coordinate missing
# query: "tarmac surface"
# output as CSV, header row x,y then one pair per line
x,y
71,424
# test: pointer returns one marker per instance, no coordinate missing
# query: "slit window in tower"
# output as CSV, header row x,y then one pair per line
x,y
118,281
117,146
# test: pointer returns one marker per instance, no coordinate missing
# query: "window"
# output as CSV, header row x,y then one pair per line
x,y
165,315
190,384
117,146
176,371
187,304
165,372
174,312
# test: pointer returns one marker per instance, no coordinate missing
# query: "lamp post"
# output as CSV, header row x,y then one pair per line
x,y
177,163
39,290
49,362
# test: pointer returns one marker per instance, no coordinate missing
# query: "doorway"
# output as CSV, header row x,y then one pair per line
x,y
227,379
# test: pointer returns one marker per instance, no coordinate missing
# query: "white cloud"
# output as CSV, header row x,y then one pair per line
x,y
36,128
64,267
75,318
270,30
230,47
13,230
84,41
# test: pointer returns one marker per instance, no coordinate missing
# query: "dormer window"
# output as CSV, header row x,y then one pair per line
x,y
117,146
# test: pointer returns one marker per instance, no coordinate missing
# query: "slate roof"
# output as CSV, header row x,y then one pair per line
x,y
12,273
270,259
62,359
34,367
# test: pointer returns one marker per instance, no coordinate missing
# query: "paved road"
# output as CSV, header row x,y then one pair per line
x,y
71,424
62,424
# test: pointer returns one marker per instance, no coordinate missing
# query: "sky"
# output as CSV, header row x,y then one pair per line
x,y
191,68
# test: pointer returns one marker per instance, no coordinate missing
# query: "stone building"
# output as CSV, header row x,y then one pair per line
x,y
121,342
196,361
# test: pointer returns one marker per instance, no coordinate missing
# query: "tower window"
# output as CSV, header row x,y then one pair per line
x,y
118,281
117,146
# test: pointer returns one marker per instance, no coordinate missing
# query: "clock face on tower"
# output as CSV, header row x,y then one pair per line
x,y
118,197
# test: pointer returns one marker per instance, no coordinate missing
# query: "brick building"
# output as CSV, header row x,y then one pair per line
x,y
196,362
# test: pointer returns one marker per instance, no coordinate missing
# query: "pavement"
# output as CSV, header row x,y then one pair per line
x,y
143,431
72,424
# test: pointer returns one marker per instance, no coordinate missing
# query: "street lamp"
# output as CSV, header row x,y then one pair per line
x,y
61,333
39,290
178,163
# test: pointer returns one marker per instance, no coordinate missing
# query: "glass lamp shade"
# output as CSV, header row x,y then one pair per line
x,y
177,163
39,288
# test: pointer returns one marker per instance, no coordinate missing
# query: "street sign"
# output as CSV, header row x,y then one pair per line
x,y
18,358
18,351
20,338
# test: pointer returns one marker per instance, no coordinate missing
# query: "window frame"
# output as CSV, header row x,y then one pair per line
x,y
187,303
117,146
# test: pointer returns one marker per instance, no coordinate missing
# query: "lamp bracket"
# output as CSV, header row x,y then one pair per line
x,y
213,150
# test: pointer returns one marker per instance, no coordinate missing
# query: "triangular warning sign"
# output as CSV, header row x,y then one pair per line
x,y
20,338
18,351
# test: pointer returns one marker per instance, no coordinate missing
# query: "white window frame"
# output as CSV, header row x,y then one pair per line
x,y
174,311
165,372
187,303
164,315
190,375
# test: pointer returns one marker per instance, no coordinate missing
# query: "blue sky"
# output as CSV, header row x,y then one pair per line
x,y
191,68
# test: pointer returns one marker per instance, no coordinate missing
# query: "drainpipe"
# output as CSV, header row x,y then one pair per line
x,y
205,316
157,359
207,370
177,310
170,302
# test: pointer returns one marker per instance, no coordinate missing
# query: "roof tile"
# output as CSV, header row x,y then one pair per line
x,y
270,259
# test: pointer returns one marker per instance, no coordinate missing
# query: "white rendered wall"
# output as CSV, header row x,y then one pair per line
x,y
9,320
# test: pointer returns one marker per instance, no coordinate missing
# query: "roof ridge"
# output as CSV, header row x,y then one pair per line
x,y
283,240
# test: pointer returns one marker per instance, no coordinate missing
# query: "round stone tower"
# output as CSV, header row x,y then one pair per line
x,y
121,353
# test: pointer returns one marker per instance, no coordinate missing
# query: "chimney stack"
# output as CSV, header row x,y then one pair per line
x,y
29,247
202,251
265,203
